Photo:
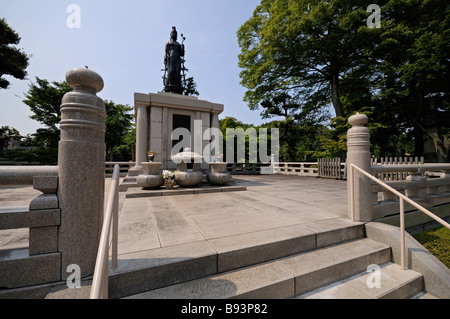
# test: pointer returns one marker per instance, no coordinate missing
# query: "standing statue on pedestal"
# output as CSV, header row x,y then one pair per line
x,y
173,60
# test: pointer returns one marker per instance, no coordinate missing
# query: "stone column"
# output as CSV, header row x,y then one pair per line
x,y
141,135
215,120
81,171
358,153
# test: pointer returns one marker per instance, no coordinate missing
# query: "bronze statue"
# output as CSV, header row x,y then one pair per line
x,y
173,64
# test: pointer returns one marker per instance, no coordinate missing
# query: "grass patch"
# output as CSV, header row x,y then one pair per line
x,y
437,242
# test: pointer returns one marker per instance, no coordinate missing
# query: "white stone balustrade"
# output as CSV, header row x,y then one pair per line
x,y
427,184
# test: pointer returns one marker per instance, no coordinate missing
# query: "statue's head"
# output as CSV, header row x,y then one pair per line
x,y
173,33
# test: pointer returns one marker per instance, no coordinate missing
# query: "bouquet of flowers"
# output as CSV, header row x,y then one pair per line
x,y
170,176
151,155
218,157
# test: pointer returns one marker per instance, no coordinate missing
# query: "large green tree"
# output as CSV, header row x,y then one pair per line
x,y
323,52
305,48
413,50
13,61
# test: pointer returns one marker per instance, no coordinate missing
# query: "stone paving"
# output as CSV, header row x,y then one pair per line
x,y
270,203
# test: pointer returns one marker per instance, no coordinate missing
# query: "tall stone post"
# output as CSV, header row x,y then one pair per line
x,y
81,171
358,153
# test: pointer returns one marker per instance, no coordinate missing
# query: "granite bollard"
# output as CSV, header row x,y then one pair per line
x,y
358,153
81,171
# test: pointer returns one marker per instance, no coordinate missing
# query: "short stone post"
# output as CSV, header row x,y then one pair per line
x,y
81,171
358,153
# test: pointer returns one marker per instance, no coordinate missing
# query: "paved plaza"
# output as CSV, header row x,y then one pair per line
x,y
270,205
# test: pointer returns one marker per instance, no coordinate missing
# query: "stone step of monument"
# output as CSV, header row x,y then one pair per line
x,y
281,278
387,282
156,268
201,189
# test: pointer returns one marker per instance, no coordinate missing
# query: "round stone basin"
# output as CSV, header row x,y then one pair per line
x,y
151,177
218,174
189,178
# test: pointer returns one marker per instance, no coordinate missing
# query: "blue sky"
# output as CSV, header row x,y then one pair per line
x,y
124,41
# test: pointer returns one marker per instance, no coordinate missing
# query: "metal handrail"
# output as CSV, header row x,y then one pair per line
x,y
111,214
402,197
381,168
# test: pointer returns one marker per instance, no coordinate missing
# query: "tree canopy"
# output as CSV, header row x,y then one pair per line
x,y
303,48
13,61
44,99
118,124
322,53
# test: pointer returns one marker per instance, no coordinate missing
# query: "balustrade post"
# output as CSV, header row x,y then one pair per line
x,y
81,171
358,153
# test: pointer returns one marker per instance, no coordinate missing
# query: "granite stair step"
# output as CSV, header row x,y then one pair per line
x,y
281,278
157,268
393,284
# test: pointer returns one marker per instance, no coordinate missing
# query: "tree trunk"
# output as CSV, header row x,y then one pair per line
x,y
418,141
335,95
111,154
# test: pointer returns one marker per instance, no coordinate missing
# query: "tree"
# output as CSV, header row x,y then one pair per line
x,y
414,71
118,124
283,105
13,61
190,87
304,48
44,99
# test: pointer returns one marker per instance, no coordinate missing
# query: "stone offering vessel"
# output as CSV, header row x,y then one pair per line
x,y
151,177
219,174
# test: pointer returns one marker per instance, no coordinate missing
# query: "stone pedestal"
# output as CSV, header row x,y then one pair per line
x,y
218,174
358,153
156,119
81,171
151,177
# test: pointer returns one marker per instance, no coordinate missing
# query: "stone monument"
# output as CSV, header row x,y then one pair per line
x,y
159,114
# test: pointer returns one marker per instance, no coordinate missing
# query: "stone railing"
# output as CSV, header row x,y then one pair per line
x,y
43,218
393,175
246,168
297,168
65,221
24,175
427,184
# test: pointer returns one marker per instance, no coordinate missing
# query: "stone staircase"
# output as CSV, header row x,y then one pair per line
x,y
332,264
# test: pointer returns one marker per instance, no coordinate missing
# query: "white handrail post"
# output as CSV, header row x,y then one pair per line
x,y
115,218
104,292
351,193
402,233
